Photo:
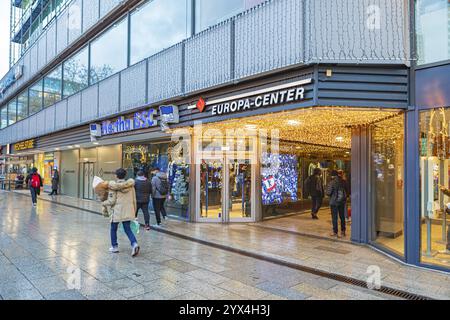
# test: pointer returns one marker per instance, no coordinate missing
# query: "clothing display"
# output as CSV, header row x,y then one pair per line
x,y
279,178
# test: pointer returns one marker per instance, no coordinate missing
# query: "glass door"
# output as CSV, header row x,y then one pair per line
x,y
88,179
210,190
225,192
240,190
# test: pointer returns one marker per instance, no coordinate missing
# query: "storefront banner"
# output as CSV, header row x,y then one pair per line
x,y
278,95
140,120
25,145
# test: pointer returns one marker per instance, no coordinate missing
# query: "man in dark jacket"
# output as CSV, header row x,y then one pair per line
x,y
34,183
55,182
159,193
338,198
314,188
143,193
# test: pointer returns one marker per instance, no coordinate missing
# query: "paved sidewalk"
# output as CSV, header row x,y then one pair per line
x,y
336,257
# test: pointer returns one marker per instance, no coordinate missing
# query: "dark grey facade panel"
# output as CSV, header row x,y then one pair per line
x,y
363,86
77,135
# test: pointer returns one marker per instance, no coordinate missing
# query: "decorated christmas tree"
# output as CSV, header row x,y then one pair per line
x,y
180,187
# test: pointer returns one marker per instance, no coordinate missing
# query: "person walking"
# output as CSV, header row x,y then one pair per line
x,y
143,189
55,182
314,189
34,183
346,183
338,198
121,207
160,190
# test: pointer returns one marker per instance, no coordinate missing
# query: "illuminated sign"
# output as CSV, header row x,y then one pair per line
x,y
140,120
25,145
252,100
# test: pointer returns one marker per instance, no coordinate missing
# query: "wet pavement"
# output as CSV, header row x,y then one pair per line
x,y
58,252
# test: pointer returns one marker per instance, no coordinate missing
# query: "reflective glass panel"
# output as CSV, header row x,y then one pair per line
x,y
157,25
22,105
35,99
76,72
109,52
433,30
53,87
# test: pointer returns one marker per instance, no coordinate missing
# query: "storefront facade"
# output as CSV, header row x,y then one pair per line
x,y
254,117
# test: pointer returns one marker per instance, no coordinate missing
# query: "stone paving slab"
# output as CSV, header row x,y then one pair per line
x,y
65,265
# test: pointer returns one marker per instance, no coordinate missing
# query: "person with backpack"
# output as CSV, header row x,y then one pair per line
x,y
314,189
338,198
160,190
34,183
143,189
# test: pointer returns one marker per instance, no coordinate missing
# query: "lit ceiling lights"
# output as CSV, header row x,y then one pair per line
x,y
293,122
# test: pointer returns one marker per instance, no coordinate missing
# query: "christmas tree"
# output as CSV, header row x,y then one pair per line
x,y
180,187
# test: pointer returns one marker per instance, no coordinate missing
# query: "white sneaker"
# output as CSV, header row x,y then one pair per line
x,y
114,250
135,250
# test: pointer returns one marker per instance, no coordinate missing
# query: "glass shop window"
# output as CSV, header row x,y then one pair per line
x,y
387,184
146,157
435,186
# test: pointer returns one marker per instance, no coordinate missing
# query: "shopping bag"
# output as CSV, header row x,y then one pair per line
x,y
134,225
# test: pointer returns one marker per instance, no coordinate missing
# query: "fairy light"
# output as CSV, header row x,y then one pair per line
x,y
318,125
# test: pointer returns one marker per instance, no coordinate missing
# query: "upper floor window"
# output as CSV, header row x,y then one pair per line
x,y
208,13
22,105
3,117
53,87
35,97
76,72
109,52
433,30
157,25
12,112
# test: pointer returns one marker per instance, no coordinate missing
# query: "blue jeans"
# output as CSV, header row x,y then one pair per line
x,y
337,212
34,193
127,228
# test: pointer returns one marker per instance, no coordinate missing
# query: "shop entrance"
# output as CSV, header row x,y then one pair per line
x,y
365,147
87,169
226,192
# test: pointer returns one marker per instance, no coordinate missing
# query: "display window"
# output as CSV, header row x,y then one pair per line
x,y
387,184
147,156
435,186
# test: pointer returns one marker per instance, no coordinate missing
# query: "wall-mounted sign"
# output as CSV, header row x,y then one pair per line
x,y
169,114
281,94
96,130
25,145
11,77
140,120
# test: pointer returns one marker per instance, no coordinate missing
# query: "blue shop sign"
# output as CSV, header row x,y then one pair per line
x,y
140,120
11,77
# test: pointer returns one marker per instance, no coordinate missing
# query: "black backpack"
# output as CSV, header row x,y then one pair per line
x,y
163,186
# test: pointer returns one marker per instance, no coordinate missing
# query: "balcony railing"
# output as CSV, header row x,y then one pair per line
x,y
278,35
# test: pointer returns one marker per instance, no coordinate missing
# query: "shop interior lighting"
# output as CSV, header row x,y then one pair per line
x,y
321,125
293,122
